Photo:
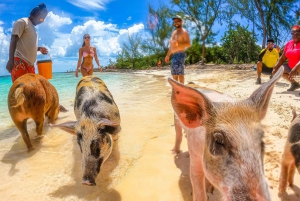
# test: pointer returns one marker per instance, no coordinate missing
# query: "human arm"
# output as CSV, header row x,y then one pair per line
x,y
294,71
97,60
79,62
281,60
43,50
12,48
167,58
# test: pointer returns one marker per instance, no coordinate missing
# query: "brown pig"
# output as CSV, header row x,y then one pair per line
x,y
97,125
32,96
291,155
225,140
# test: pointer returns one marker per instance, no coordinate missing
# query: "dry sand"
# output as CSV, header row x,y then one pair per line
x,y
141,166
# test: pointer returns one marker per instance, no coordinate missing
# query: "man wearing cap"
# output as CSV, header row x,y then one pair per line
x,y
180,40
266,60
23,43
291,53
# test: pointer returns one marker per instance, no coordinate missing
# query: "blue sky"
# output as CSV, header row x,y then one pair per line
x,y
107,21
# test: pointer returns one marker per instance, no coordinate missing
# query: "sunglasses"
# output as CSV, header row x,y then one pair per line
x,y
86,37
296,33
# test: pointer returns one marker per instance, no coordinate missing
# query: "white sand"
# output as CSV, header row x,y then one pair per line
x,y
141,166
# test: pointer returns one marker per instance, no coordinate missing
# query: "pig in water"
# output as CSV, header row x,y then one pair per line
x,y
32,96
225,140
291,155
97,125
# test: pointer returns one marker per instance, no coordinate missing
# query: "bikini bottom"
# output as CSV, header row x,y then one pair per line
x,y
87,68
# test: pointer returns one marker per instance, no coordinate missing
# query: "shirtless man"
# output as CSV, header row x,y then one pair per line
x,y
180,40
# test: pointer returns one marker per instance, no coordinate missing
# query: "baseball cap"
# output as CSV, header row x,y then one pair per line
x,y
270,40
177,17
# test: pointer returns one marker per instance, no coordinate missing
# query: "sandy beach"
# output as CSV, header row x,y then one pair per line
x,y
141,166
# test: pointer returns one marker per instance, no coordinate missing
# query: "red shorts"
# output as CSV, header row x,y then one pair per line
x,y
20,68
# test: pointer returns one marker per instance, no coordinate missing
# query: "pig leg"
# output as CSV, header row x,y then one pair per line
x,y
198,180
285,162
39,125
52,115
195,146
292,169
178,139
22,126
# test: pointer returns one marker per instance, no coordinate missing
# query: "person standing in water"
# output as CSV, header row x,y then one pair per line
x,y
86,55
180,40
24,44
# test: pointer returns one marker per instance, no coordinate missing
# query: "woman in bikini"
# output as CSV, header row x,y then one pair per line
x,y
86,54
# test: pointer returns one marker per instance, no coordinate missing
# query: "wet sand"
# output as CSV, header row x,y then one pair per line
x,y
141,166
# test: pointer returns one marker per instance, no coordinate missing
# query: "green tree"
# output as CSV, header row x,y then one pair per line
x,y
131,52
159,27
203,13
239,45
270,17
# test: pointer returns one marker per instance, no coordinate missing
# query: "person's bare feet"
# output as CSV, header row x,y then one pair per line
x,y
176,151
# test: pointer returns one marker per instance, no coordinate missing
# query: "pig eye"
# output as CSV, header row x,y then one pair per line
x,y
217,145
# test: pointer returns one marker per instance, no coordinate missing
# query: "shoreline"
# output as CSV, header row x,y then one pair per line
x,y
191,67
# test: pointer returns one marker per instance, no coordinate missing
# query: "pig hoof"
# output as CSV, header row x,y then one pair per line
x,y
176,151
38,136
281,193
30,149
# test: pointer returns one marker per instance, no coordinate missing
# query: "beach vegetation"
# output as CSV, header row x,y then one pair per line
x,y
266,19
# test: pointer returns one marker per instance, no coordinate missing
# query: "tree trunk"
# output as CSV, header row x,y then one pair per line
x,y
261,15
203,51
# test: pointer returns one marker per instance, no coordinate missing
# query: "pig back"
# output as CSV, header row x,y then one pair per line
x,y
32,91
94,100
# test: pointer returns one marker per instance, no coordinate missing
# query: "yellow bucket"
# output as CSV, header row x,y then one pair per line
x,y
45,68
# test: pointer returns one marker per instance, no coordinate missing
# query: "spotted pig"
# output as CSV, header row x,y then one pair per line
x,y
291,155
97,125
225,140
32,96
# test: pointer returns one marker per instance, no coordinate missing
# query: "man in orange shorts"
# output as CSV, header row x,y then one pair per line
x,y
23,43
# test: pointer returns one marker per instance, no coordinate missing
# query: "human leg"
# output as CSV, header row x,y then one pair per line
x,y
178,138
294,85
177,71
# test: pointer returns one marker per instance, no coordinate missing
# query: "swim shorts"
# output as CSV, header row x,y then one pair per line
x,y
20,68
177,63
266,69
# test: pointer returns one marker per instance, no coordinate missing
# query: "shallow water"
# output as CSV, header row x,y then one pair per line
x,y
53,170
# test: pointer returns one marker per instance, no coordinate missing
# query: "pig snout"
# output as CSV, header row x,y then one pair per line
x,y
88,180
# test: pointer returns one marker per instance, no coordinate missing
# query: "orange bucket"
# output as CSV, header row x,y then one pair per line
x,y
45,68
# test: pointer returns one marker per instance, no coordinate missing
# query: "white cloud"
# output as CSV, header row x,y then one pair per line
x,y
48,30
63,46
129,18
90,4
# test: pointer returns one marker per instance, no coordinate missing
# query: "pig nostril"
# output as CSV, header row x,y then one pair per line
x,y
88,183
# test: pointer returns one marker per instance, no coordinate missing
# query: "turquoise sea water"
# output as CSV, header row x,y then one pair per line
x,y
65,84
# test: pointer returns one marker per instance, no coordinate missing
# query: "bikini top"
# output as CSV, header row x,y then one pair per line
x,y
92,53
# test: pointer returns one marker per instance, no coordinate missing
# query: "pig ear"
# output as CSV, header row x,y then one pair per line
x,y
191,106
106,122
67,126
294,114
260,98
62,108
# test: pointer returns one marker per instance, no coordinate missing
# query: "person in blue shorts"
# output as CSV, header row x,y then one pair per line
x,y
180,40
